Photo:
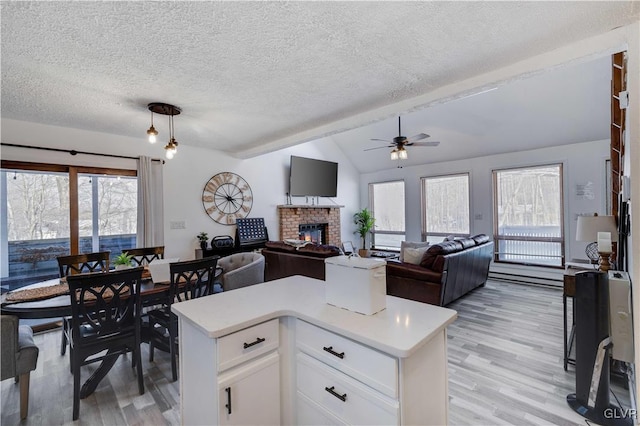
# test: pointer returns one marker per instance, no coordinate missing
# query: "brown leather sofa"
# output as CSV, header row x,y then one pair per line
x,y
447,271
284,260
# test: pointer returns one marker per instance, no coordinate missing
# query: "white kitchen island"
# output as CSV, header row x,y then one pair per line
x,y
276,353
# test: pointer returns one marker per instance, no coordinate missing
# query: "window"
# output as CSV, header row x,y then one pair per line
x,y
50,211
445,207
528,220
387,206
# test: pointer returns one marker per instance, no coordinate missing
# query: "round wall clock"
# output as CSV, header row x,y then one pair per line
x,y
227,197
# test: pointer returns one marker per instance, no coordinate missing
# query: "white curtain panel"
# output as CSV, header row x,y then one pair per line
x,y
150,203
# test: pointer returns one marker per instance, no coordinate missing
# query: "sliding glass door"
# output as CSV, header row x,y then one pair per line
x,y
50,210
35,225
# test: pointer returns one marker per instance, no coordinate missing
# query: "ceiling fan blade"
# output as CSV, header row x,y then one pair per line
x,y
381,140
419,137
430,143
378,147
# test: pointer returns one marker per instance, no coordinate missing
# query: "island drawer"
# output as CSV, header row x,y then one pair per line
x,y
342,396
374,368
312,414
243,345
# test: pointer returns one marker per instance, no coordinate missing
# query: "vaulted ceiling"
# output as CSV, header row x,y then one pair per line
x,y
254,77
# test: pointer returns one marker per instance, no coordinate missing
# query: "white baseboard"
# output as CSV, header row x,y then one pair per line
x,y
527,275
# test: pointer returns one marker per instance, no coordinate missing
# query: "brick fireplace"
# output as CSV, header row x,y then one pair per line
x,y
292,216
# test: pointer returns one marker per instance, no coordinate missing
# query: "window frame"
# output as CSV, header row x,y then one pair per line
x,y
497,238
424,234
372,209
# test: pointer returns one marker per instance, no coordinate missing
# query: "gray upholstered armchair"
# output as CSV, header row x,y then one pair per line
x,y
241,270
19,356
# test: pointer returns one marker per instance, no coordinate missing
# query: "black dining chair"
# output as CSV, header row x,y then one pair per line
x,y
189,280
145,255
79,264
105,316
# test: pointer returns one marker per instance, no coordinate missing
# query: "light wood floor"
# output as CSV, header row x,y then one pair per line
x,y
505,368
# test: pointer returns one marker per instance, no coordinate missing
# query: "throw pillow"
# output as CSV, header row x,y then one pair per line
x,y
411,244
414,255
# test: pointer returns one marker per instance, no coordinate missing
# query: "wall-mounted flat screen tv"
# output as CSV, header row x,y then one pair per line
x,y
314,178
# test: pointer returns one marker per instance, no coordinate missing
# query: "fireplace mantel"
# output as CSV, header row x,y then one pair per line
x,y
308,206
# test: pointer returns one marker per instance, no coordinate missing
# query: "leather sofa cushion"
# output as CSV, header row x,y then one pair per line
x,y
467,242
436,250
481,239
416,272
315,250
321,250
280,246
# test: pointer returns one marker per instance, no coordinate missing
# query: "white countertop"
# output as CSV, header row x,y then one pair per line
x,y
399,330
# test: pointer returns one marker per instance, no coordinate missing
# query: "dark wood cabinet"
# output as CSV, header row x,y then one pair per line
x,y
222,252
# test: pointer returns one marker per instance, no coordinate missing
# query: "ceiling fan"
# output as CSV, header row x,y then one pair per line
x,y
400,142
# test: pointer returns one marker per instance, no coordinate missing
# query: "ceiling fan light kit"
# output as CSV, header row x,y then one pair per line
x,y
402,154
171,148
399,143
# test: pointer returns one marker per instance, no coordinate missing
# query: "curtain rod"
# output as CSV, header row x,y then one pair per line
x,y
74,152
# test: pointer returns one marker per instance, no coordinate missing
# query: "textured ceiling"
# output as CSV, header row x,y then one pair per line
x,y
251,77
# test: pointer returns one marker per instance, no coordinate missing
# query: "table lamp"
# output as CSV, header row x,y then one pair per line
x,y
588,228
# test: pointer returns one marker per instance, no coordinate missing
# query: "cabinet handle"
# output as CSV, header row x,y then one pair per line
x,y
228,405
258,340
331,390
332,352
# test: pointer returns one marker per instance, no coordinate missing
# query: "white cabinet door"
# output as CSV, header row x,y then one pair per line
x,y
250,394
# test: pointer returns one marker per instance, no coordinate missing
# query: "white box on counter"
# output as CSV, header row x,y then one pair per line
x,y
356,283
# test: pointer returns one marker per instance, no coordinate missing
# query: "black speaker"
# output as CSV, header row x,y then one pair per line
x,y
593,345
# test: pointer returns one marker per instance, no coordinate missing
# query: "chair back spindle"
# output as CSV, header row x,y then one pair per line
x,y
144,256
192,279
83,263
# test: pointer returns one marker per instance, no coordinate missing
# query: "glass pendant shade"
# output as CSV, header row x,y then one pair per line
x,y
402,154
394,154
152,133
171,148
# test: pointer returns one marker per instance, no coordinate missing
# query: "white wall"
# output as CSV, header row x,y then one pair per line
x,y
186,174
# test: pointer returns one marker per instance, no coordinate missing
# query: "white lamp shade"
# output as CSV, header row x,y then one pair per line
x,y
589,226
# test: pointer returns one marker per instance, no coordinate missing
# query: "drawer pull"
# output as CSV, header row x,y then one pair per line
x,y
331,390
228,404
332,352
258,340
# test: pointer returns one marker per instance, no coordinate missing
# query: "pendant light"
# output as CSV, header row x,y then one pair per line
x,y
152,132
171,148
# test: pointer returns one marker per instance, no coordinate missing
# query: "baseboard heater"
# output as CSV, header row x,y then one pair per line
x,y
525,279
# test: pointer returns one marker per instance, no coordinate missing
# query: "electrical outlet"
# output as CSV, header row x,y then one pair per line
x,y
177,224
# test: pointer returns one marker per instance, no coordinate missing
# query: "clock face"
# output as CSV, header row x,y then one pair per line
x,y
227,197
